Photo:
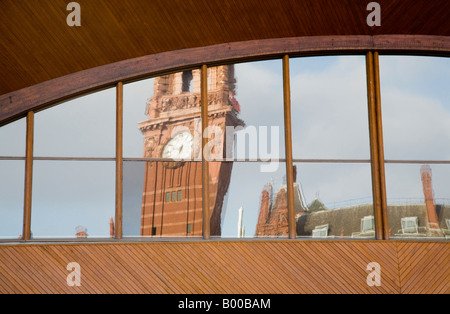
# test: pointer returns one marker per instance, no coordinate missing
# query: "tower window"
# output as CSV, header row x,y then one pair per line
x,y
187,80
167,197
174,196
179,196
189,228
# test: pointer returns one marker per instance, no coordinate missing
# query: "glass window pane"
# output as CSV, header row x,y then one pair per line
x,y
415,98
71,197
329,107
257,96
418,200
13,138
161,119
336,199
82,127
12,173
246,114
150,204
248,201
133,188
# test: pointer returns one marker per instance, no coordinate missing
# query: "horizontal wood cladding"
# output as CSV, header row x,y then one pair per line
x,y
226,267
16,103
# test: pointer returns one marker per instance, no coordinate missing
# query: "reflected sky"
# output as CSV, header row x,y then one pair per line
x,y
67,194
329,107
403,182
135,97
12,173
415,97
259,90
13,138
82,127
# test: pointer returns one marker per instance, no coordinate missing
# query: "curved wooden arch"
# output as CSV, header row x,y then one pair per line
x,y
16,104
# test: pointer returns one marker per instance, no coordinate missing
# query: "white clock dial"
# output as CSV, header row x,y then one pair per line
x,y
179,147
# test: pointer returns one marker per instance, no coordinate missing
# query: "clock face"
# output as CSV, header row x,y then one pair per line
x,y
179,147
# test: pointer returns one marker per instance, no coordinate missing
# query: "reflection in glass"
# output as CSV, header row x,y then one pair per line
x,y
162,199
257,97
254,203
418,200
13,138
82,127
136,96
12,173
336,200
73,199
163,194
416,107
329,107
170,189
247,122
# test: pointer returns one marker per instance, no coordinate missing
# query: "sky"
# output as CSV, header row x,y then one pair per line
x,y
329,120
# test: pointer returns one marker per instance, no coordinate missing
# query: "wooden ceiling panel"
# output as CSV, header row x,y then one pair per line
x,y
37,45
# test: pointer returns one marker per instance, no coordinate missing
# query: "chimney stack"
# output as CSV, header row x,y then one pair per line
x,y
425,173
111,228
81,232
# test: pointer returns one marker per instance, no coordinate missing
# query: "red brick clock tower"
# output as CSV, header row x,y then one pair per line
x,y
172,196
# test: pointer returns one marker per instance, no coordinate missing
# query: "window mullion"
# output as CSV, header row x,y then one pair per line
x,y
205,164
288,147
26,232
119,161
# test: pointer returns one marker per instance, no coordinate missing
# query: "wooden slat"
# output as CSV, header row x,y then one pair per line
x,y
305,282
424,267
119,162
288,146
165,269
282,266
62,256
146,272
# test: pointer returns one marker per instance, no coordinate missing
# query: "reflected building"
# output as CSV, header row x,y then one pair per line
x,y
317,221
172,195
273,211
81,232
420,220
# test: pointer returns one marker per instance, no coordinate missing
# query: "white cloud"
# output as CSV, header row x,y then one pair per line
x,y
329,110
